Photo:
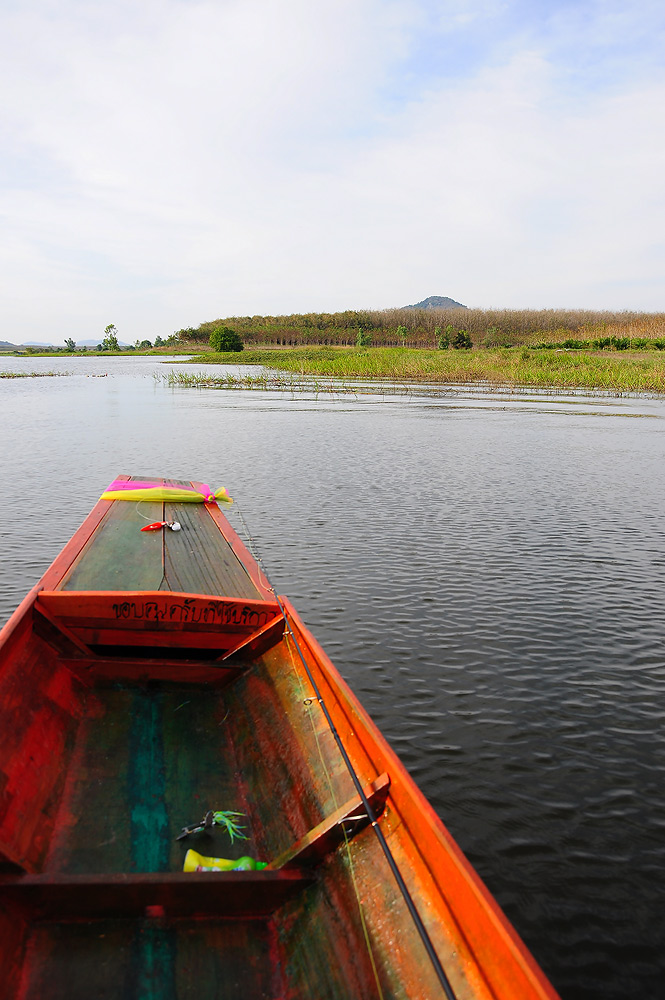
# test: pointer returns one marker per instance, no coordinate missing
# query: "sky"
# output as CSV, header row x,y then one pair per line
x,y
170,162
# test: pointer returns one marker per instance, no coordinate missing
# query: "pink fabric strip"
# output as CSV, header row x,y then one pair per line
x,y
134,484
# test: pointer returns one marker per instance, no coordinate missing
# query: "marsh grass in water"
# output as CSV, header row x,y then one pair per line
x,y
32,374
271,383
622,372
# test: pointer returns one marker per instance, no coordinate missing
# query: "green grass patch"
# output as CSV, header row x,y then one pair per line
x,y
622,372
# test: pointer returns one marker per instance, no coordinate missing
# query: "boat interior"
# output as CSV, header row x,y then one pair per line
x,y
153,678
129,708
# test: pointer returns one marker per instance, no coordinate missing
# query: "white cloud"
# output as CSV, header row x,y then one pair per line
x,y
170,162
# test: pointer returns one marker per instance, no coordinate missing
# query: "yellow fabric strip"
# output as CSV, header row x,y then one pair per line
x,y
171,494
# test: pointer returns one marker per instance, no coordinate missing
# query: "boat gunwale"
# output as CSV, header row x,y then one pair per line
x,y
403,786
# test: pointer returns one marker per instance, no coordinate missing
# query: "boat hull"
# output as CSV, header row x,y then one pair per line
x,y
128,713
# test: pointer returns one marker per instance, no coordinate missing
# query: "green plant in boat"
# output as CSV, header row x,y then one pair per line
x,y
227,820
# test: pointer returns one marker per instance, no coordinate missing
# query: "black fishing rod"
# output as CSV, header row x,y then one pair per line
x,y
411,906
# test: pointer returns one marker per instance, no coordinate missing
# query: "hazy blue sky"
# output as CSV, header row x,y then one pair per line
x,y
171,161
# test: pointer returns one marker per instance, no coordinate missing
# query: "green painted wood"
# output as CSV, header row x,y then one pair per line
x,y
144,960
120,556
195,560
149,827
198,559
93,831
149,761
202,773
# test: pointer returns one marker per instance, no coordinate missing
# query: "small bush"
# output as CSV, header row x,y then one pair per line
x,y
443,337
639,343
461,341
364,338
224,339
575,345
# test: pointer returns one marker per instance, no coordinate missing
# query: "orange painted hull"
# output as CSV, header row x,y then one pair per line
x,y
127,712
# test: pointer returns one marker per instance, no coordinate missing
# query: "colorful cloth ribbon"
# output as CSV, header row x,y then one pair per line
x,y
123,489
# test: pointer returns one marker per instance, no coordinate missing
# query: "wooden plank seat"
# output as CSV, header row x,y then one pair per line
x,y
242,895
57,896
107,633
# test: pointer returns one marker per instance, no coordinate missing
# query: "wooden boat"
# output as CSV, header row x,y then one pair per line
x,y
152,677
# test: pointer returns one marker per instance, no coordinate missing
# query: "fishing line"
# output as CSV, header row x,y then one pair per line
x,y
361,912
406,895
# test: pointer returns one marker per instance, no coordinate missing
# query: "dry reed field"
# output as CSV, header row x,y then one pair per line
x,y
423,327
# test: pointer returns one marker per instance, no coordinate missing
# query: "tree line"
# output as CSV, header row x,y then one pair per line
x,y
432,327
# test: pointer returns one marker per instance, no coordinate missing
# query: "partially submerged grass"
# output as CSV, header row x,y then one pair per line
x,y
32,374
501,367
274,383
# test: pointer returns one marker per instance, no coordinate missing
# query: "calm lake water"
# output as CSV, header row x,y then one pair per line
x,y
486,570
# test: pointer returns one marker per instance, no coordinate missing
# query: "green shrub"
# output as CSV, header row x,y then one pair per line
x,y
443,337
639,343
575,345
364,338
224,339
461,341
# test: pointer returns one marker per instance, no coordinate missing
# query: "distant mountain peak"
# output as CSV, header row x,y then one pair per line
x,y
436,302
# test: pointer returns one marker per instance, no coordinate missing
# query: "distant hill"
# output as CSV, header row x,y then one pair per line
x,y
6,346
436,302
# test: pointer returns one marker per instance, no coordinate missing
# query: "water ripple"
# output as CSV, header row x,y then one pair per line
x,y
487,573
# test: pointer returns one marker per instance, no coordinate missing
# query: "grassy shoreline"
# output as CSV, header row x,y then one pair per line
x,y
621,372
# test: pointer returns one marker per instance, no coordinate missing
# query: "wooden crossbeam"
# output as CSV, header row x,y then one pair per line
x,y
157,612
349,819
57,635
258,642
127,668
57,896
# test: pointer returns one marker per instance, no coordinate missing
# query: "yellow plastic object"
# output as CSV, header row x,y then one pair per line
x,y
170,493
195,862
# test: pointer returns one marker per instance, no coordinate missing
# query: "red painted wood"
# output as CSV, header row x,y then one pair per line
x,y
57,635
344,823
453,888
40,706
214,674
281,755
155,611
260,641
13,935
211,894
